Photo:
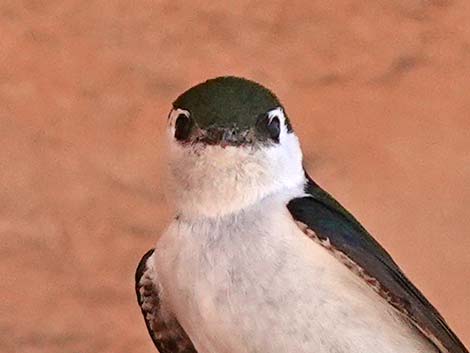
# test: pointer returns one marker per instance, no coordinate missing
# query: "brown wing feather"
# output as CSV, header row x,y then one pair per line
x,y
165,331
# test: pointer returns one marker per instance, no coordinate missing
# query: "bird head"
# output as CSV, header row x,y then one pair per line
x,y
231,144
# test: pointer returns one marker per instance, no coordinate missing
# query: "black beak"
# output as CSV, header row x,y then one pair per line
x,y
225,136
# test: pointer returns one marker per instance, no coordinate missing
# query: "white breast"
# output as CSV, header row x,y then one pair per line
x,y
253,282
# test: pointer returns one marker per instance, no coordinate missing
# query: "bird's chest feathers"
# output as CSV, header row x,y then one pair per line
x,y
212,261
257,261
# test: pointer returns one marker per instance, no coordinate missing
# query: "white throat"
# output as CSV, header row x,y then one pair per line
x,y
212,181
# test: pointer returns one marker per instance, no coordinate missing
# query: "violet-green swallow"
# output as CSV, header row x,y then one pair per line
x,y
259,258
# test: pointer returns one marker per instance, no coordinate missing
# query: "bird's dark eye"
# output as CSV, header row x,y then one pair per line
x,y
269,127
183,126
274,128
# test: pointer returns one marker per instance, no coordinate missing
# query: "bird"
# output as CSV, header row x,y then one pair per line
x,y
258,257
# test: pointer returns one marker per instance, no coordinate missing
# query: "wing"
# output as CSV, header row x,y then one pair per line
x,y
324,220
167,334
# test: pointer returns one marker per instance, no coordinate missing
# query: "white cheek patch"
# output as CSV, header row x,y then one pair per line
x,y
278,112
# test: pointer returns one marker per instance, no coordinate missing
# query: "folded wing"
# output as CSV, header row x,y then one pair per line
x,y
165,331
324,220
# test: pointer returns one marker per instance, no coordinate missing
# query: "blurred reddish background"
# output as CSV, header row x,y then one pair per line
x,y
377,90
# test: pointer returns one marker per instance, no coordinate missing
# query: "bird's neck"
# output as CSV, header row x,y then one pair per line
x,y
232,201
221,182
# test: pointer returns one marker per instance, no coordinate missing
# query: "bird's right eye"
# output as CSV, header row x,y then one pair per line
x,y
182,127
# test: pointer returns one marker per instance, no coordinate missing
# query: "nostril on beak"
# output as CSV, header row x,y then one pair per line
x,y
222,137
229,136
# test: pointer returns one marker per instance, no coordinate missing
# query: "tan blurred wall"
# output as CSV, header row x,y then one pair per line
x,y
377,90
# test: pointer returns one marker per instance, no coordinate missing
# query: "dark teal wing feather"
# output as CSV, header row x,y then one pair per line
x,y
322,214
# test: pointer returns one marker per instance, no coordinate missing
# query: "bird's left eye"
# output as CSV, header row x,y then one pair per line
x,y
183,126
